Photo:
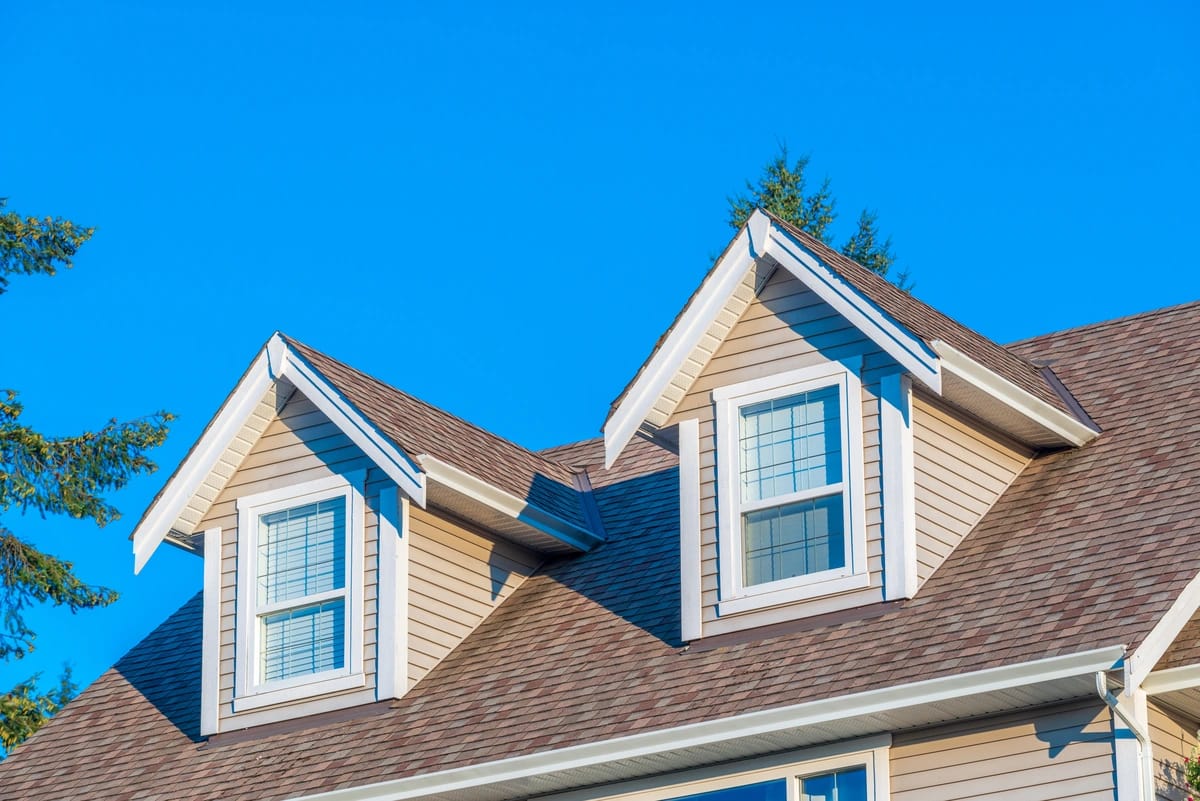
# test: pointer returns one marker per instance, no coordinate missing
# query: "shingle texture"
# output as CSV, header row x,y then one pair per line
x,y
420,428
1087,548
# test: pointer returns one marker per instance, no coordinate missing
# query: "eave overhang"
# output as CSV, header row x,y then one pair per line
x,y
891,709
174,511
935,365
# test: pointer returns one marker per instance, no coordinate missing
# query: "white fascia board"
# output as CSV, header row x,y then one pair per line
x,y
183,485
1172,680
1141,663
902,345
1071,430
506,503
370,440
708,733
670,356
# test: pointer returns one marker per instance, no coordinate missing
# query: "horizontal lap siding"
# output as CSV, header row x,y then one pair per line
x,y
1065,754
959,470
300,445
457,576
1173,740
784,328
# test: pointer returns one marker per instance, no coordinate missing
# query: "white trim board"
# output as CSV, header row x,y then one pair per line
x,y
761,236
712,732
276,360
1172,680
210,651
1146,655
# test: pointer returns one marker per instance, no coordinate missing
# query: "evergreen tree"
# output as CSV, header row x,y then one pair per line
x,y
783,191
52,475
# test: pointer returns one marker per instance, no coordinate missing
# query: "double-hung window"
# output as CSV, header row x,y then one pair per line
x,y
790,487
299,591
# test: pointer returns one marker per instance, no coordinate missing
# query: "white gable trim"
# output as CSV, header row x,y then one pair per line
x,y
706,735
1035,409
670,356
277,360
899,343
167,507
760,237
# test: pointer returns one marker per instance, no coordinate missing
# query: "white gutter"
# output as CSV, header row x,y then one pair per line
x,y
506,503
1019,400
751,724
1145,755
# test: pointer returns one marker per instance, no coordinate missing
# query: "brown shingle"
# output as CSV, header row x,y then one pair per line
x,y
420,428
1087,548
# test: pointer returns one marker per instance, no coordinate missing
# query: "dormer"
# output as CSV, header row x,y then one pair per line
x,y
352,536
837,437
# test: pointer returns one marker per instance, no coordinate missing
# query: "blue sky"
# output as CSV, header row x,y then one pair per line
x,y
499,207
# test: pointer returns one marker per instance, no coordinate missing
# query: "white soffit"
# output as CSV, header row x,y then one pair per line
x,y
981,391
245,406
759,237
501,511
890,709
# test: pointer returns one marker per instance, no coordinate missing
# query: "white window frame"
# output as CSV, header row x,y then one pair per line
x,y
250,692
735,595
871,753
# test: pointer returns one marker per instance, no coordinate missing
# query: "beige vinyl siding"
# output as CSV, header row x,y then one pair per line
x,y
1173,739
785,327
300,445
1065,754
457,576
959,471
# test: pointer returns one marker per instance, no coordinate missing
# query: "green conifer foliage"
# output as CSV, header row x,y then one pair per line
x,y
43,475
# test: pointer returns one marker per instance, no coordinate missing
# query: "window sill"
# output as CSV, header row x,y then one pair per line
x,y
298,692
765,598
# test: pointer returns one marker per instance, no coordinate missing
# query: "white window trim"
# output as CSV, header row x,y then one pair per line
x,y
249,692
871,753
735,596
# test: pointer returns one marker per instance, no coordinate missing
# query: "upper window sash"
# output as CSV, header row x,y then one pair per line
x,y
251,690
736,595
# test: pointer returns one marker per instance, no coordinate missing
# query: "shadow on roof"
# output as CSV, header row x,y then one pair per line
x,y
165,668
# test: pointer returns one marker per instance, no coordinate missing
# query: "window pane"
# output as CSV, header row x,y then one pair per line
x,y
303,641
845,785
795,539
763,791
790,444
302,551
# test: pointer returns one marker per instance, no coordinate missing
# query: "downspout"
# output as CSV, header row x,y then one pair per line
x,y
1145,757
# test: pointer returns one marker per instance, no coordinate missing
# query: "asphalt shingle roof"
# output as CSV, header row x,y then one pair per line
x,y
1087,548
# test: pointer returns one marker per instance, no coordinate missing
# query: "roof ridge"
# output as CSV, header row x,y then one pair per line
x,y
427,404
1122,320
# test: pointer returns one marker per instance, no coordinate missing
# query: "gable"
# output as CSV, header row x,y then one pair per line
x,y
991,382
